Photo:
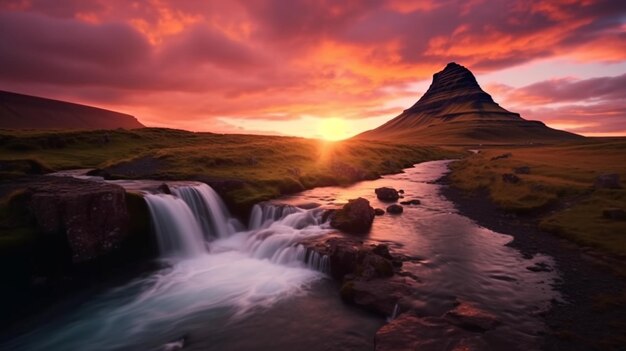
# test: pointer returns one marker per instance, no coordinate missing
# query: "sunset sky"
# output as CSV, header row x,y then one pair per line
x,y
299,67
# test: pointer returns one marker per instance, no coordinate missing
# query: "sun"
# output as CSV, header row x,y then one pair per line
x,y
332,129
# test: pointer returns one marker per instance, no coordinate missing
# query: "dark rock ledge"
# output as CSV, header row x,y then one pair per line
x,y
372,278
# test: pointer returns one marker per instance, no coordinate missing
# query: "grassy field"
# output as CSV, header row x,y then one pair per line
x,y
559,187
256,167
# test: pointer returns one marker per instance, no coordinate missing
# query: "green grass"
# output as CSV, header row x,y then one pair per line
x,y
559,187
264,166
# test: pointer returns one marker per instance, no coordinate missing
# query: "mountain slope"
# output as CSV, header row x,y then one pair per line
x,y
456,110
19,111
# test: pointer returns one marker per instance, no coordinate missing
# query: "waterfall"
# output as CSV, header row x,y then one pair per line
x,y
209,210
264,214
178,233
194,215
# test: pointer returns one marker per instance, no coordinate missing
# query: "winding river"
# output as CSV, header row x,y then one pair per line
x,y
230,286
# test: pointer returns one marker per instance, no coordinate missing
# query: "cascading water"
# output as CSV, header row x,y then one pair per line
x,y
209,210
176,228
241,270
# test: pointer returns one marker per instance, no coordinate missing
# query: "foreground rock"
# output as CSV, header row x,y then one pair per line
x,y
92,216
355,217
387,194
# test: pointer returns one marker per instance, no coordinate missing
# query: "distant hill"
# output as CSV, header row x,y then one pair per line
x,y
455,110
19,111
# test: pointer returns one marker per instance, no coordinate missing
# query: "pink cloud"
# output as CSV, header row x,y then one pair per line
x,y
173,62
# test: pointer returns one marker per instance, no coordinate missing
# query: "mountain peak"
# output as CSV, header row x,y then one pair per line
x,y
453,82
456,110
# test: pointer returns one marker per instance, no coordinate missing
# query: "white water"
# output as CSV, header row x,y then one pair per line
x,y
216,269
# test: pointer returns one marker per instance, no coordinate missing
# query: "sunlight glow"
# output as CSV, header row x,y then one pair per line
x,y
332,129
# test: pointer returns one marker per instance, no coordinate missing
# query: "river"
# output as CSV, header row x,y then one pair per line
x,y
230,286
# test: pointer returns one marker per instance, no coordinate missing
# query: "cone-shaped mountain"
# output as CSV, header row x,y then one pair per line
x,y
456,110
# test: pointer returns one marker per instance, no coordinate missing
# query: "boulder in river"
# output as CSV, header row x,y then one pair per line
x,y
395,209
387,194
471,318
355,217
379,211
607,181
411,202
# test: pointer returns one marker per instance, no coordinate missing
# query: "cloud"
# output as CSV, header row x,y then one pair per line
x,y
594,105
174,62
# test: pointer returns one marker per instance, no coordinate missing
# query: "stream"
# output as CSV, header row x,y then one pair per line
x,y
226,285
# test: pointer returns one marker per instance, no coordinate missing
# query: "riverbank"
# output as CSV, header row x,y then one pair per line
x,y
591,317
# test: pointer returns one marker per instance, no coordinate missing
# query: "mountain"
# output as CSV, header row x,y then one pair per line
x,y
455,110
19,111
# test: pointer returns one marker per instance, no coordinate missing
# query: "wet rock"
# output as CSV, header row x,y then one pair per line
x,y
348,256
409,332
355,217
401,191
164,188
379,211
378,295
92,216
510,178
395,209
521,170
387,194
411,202
617,214
607,181
471,318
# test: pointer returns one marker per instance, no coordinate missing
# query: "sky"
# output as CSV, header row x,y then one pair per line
x,y
316,68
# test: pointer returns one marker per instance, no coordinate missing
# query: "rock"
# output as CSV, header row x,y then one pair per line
x,y
349,256
401,191
92,216
471,318
607,181
614,213
411,202
510,178
355,217
387,194
395,209
378,295
165,189
409,333
503,156
521,170
379,211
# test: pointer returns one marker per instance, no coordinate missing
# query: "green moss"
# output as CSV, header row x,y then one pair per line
x,y
561,178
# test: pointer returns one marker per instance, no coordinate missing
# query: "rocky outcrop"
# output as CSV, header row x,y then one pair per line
x,y
91,216
387,194
355,217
